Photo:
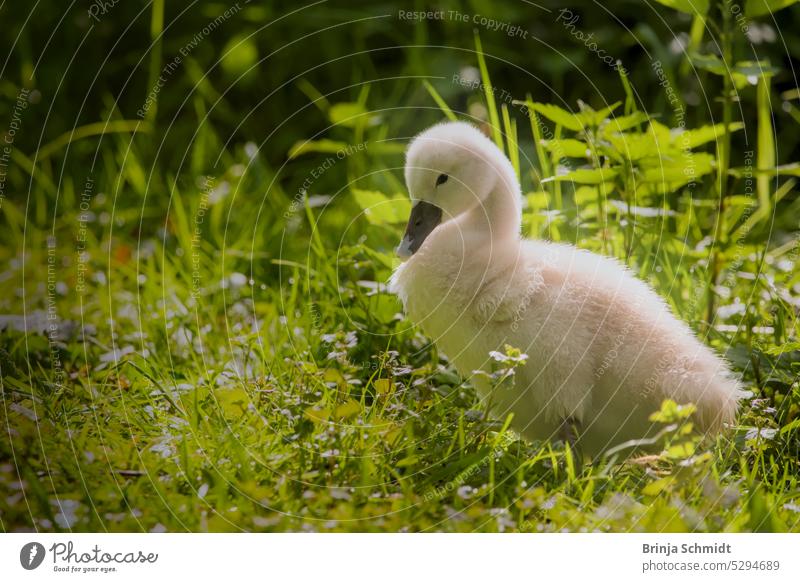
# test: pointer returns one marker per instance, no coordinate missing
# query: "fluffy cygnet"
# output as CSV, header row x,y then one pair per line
x,y
603,349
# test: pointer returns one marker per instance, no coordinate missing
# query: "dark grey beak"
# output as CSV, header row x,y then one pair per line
x,y
424,218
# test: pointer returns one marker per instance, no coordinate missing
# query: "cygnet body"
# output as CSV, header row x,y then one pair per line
x,y
603,349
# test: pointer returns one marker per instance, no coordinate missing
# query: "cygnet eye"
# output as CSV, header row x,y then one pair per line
x,y
441,179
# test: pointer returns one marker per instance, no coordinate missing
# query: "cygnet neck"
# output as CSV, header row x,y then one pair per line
x,y
497,219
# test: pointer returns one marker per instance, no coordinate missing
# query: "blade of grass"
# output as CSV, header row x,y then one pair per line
x,y
762,212
439,101
765,156
723,166
630,102
536,130
182,229
156,28
92,129
494,118
41,178
510,126
559,202
695,38
317,98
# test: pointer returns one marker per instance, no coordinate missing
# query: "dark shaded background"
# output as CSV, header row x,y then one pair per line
x,y
69,58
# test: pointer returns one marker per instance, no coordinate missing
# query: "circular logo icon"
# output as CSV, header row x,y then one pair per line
x,y
31,555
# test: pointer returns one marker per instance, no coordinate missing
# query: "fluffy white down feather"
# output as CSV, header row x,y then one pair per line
x,y
603,348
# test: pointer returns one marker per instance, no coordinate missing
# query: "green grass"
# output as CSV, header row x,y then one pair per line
x,y
303,401
227,357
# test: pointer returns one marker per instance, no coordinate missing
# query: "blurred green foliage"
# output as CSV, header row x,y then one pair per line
x,y
206,196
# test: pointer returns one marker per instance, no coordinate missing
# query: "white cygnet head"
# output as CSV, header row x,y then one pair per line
x,y
450,169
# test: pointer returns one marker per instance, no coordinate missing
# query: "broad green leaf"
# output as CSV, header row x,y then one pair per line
x,y
710,63
755,8
671,411
594,118
624,123
692,138
664,519
383,386
538,200
567,148
794,425
317,414
660,132
635,146
382,307
324,146
754,70
785,348
658,486
349,409
239,56
334,375
557,115
346,114
585,195
742,73
233,401
679,171
687,6
681,450
380,209
666,413
586,176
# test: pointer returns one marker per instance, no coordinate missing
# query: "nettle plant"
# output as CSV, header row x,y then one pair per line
x,y
625,163
727,23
